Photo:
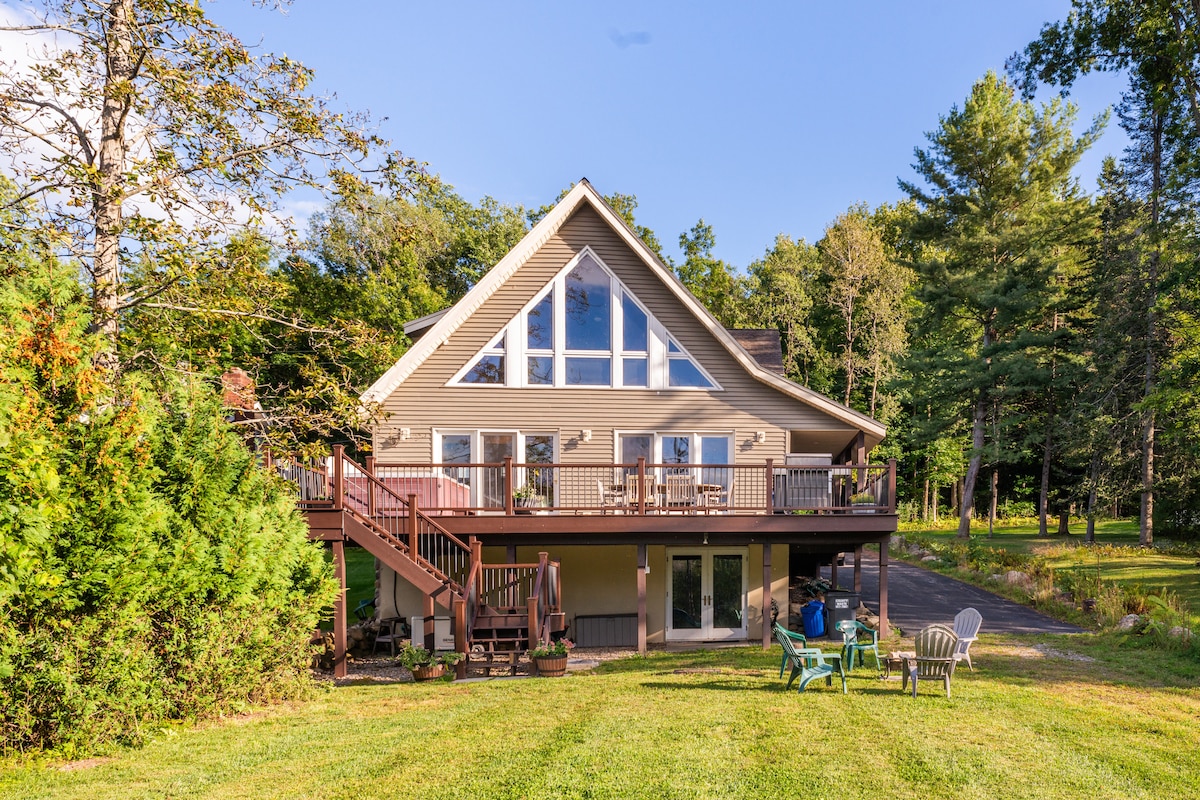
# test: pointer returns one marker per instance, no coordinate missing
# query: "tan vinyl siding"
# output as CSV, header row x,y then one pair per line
x,y
745,405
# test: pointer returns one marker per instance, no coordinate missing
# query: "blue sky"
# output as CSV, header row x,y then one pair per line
x,y
762,118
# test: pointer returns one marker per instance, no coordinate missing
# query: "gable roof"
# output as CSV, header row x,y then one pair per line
x,y
452,319
763,345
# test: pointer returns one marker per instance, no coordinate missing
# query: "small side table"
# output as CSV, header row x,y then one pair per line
x,y
894,663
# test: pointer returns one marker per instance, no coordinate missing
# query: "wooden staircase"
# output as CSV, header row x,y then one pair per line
x,y
498,610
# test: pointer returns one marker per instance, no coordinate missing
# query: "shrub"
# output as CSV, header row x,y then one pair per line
x,y
149,569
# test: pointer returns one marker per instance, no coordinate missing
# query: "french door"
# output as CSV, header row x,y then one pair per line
x,y
706,593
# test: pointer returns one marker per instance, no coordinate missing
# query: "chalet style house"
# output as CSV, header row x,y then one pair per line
x,y
579,445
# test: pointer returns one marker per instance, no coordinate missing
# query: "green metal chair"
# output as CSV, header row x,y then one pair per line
x,y
808,662
857,639
935,648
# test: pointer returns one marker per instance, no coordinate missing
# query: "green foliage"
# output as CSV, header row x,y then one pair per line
x,y
149,569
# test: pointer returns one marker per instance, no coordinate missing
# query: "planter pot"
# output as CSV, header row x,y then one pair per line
x,y
528,505
550,666
860,510
428,673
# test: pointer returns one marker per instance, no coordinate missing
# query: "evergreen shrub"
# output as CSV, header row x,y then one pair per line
x,y
150,570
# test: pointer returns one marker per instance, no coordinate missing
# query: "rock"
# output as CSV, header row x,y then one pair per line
x,y
1016,578
871,621
1181,633
1128,622
930,558
995,577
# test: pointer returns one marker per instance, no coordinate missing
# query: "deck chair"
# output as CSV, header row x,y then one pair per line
x,y
632,492
681,493
966,628
808,662
797,640
858,639
612,498
935,648
391,631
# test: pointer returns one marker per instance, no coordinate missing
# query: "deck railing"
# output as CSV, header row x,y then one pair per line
x,y
514,488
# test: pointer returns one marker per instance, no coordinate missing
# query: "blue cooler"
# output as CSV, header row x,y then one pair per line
x,y
813,617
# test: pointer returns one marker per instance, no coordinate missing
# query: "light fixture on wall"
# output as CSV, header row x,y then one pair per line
x,y
405,433
761,437
586,435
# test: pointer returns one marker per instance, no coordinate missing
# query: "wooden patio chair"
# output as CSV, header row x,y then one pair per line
x,y
935,647
808,662
646,491
966,628
681,493
857,639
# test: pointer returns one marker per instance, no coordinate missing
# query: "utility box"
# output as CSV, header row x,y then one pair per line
x,y
443,639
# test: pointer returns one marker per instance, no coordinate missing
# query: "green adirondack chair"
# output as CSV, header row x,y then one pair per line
x,y
808,662
857,639
935,647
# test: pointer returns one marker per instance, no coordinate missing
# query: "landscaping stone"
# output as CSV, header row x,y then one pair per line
x,y
1128,622
930,558
1016,578
1180,632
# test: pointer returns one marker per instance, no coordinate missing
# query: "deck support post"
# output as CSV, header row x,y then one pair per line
x,y
833,581
883,565
766,595
642,565
339,611
430,628
858,569
460,638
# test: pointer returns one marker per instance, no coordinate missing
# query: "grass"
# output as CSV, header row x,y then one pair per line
x,y
1033,721
360,581
1115,552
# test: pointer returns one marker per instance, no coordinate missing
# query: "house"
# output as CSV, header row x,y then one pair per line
x,y
578,442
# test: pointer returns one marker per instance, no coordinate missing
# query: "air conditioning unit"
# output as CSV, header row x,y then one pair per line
x,y
443,639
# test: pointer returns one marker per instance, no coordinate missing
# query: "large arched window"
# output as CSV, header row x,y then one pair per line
x,y
586,328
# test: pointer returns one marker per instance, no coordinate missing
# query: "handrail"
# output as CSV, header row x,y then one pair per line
x,y
510,488
427,543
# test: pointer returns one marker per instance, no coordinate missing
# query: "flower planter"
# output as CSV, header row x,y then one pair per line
x,y
550,666
428,673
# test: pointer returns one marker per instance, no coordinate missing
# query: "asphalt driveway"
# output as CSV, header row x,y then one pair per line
x,y
918,597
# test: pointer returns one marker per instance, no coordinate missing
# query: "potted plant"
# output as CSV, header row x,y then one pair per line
x,y
424,665
862,499
550,660
526,498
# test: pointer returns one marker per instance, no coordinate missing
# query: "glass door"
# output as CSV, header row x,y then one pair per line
x,y
706,594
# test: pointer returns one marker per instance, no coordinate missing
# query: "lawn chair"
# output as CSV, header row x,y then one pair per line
x,y
797,641
966,628
935,648
808,662
857,638
681,493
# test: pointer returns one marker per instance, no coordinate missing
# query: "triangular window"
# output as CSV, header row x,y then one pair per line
x,y
586,328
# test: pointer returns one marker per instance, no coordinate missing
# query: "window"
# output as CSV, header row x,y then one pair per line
x,y
585,329
492,447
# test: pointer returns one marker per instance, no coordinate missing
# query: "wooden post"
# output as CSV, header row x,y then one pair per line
x,y
430,626
339,486
642,563
413,543
769,505
860,456
833,581
339,612
531,612
766,593
883,565
508,485
369,466
460,638
641,487
858,569
477,558
891,486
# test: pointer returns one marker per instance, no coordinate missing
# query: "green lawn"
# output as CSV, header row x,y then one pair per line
x,y
1041,717
360,580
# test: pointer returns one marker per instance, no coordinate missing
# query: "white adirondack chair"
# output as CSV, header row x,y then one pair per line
x,y
966,628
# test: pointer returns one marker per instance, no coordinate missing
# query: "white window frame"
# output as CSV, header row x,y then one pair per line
x,y
516,353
